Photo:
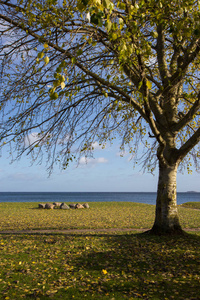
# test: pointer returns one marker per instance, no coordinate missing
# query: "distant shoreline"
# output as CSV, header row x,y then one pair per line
x,y
45,197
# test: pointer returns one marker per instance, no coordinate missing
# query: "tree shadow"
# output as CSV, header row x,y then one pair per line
x,y
122,266
147,267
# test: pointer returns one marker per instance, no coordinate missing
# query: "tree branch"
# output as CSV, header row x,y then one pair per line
x,y
188,117
67,54
160,49
187,147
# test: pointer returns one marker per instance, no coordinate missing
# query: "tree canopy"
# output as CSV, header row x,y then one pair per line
x,y
80,71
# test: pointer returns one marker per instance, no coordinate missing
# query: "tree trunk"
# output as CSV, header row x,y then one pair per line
x,y
166,219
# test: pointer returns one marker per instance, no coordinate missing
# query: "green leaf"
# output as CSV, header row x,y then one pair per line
x,y
154,34
97,18
106,3
62,78
73,60
197,32
79,52
85,2
94,19
108,25
140,84
54,96
40,55
114,36
121,5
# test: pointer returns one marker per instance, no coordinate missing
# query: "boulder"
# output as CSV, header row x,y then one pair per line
x,y
73,206
64,206
41,205
78,205
86,205
49,206
57,204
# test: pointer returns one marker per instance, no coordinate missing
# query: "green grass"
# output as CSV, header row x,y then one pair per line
x,y
99,266
22,216
193,205
112,265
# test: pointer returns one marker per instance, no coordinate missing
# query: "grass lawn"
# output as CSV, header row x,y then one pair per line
x,y
22,216
193,205
112,265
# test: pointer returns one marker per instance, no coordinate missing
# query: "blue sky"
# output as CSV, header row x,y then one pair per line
x,y
106,173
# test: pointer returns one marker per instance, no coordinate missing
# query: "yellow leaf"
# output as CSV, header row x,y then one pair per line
x,y
62,85
149,85
114,36
97,2
46,60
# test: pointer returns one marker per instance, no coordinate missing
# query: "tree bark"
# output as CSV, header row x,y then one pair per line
x,y
166,219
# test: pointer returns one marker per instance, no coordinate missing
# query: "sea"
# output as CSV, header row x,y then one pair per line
x,y
67,197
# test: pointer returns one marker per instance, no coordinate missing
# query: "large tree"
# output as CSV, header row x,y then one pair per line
x,y
75,72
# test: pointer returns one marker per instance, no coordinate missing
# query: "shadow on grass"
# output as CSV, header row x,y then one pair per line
x,y
103,266
146,267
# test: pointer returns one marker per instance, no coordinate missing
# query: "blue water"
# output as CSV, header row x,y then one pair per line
x,y
148,198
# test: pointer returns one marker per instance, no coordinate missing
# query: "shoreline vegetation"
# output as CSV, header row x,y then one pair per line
x,y
95,263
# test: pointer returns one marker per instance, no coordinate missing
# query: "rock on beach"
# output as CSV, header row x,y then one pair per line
x,y
49,206
73,206
86,205
60,205
41,205
57,204
64,206
78,206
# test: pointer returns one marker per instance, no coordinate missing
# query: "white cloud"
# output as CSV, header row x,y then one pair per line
x,y
92,161
121,154
96,146
102,160
64,140
31,139
34,138
126,154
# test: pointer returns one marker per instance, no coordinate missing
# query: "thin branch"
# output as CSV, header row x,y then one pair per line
x,y
189,145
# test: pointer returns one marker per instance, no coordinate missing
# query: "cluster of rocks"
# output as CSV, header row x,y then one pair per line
x,y
62,205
